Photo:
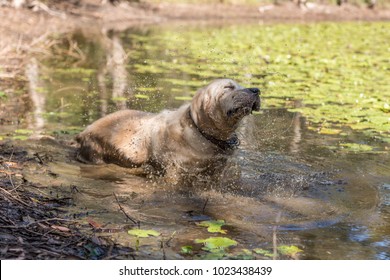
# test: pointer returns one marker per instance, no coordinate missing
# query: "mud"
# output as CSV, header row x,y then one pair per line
x,y
33,224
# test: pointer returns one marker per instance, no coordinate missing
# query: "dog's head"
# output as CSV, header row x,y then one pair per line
x,y
218,108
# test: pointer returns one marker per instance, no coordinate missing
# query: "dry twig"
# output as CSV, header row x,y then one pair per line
x,y
124,212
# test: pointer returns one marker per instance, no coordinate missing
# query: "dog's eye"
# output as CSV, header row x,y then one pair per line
x,y
229,87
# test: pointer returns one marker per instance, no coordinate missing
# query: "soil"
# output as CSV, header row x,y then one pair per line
x,y
31,223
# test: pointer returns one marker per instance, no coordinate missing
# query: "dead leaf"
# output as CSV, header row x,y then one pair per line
x,y
12,164
7,172
94,224
60,228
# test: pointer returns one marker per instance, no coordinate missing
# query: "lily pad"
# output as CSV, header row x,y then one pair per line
x,y
67,131
216,243
152,89
119,98
213,226
357,147
143,233
289,250
141,96
183,98
24,131
78,71
186,249
330,131
265,253
245,254
20,137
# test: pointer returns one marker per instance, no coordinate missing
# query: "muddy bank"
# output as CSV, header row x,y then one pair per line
x,y
33,220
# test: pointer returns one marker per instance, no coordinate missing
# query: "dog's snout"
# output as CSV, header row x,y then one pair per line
x,y
254,90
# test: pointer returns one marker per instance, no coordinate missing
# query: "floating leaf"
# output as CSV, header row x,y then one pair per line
x,y
141,96
67,131
247,252
357,147
20,137
263,252
119,98
183,98
257,112
186,249
82,71
213,226
289,250
148,89
24,131
244,255
216,243
330,131
143,233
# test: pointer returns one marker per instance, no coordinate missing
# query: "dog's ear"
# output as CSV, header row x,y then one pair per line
x,y
201,99
201,105
197,100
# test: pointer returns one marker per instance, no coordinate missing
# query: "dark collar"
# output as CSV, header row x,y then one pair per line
x,y
224,145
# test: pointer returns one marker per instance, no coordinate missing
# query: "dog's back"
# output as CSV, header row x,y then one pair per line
x,y
104,140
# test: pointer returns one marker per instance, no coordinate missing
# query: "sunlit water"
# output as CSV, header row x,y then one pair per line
x,y
287,184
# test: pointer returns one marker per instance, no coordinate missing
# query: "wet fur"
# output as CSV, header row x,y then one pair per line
x,y
171,142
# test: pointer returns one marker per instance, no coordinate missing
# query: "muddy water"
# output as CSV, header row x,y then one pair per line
x,y
286,184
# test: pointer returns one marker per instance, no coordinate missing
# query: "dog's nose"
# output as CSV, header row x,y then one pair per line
x,y
254,90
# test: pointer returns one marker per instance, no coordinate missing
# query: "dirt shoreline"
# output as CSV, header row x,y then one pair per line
x,y
33,222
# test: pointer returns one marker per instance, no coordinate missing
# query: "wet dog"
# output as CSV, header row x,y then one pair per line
x,y
195,139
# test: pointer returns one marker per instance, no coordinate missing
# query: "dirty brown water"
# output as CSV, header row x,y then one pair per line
x,y
284,185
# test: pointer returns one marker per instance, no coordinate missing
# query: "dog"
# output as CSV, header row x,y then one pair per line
x,y
195,139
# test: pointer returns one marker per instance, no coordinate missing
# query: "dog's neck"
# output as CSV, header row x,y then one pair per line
x,y
225,145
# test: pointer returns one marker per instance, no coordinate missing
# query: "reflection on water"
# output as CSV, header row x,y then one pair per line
x,y
37,98
116,65
286,184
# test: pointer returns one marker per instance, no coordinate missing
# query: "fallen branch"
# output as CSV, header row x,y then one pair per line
x,y
9,195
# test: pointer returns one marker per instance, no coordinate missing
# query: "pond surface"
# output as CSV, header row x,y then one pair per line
x,y
311,178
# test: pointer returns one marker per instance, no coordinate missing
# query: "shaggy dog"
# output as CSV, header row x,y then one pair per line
x,y
195,139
